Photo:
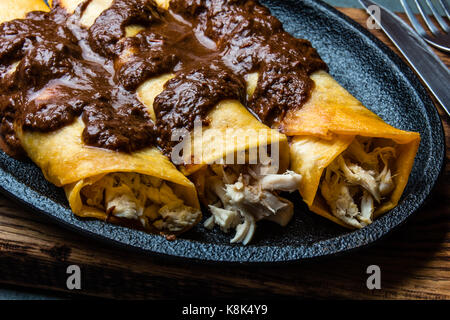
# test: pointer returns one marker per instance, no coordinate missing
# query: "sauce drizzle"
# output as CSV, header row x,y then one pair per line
x,y
65,71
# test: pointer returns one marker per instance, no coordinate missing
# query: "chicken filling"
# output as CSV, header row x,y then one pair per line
x,y
239,196
140,197
358,181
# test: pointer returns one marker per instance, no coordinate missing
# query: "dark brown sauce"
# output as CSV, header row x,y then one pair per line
x,y
210,45
54,83
250,39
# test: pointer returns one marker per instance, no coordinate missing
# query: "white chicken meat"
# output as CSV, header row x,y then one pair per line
x,y
245,198
356,174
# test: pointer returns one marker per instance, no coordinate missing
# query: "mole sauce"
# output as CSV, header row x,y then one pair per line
x,y
65,71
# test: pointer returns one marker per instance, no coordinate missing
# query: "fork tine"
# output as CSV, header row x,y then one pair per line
x,y
426,18
437,16
415,23
446,8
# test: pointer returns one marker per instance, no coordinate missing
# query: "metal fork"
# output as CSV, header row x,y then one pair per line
x,y
440,39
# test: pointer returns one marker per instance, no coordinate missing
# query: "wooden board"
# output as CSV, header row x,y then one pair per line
x,y
414,260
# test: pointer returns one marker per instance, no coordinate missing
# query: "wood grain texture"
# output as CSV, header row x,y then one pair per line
x,y
414,260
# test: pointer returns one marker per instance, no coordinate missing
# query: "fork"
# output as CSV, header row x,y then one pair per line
x,y
440,39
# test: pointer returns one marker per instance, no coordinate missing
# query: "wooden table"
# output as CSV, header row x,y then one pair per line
x,y
414,260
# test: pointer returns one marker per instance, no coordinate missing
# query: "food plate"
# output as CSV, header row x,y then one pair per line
x,y
366,68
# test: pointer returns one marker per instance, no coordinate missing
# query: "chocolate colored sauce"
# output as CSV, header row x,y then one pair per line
x,y
54,83
210,45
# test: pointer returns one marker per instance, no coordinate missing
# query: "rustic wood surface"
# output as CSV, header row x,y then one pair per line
x,y
414,260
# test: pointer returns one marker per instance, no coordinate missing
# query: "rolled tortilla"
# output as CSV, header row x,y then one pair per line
x,y
333,123
229,119
10,10
326,132
142,189
232,132
337,143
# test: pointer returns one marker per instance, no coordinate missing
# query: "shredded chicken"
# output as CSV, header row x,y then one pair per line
x,y
361,172
241,196
147,199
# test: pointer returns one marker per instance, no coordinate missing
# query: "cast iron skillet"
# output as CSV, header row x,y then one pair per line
x,y
363,65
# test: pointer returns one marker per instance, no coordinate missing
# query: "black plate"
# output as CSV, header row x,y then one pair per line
x,y
363,65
